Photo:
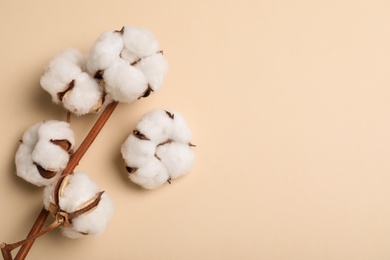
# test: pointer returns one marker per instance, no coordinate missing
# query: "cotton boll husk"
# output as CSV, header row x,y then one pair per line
x,y
26,169
156,125
154,68
138,43
50,156
151,175
181,131
57,78
56,130
178,158
85,95
105,51
93,222
136,152
124,82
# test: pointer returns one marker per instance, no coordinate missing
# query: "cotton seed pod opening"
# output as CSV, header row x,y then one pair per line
x,y
68,84
76,198
159,149
128,63
44,152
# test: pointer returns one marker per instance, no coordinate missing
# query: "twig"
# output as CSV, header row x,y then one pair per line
x,y
73,162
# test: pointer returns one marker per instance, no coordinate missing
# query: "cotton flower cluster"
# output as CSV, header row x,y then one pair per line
x,y
159,149
44,152
122,66
128,62
77,199
69,84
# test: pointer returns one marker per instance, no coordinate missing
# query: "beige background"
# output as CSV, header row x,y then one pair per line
x,y
289,106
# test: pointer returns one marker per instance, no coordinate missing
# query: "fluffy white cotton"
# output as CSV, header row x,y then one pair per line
x,y
136,151
105,51
156,125
138,43
56,130
155,68
68,83
60,72
178,158
37,150
124,83
181,131
159,149
151,175
78,193
85,97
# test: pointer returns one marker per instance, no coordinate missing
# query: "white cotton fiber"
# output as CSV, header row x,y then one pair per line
x,y
136,151
85,97
156,125
138,43
151,175
38,149
159,149
105,51
154,68
61,71
123,82
56,130
50,156
78,192
181,131
178,158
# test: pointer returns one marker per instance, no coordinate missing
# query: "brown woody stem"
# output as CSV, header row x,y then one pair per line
x,y
73,162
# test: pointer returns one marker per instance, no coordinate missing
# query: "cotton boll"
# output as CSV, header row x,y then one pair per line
x,y
138,43
56,130
154,68
26,169
76,192
93,222
123,82
178,158
136,152
181,131
156,125
151,175
85,97
60,72
105,51
50,156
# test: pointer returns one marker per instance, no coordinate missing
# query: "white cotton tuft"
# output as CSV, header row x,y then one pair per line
x,y
151,175
78,193
159,149
61,71
181,131
155,68
138,43
105,51
44,152
85,97
178,158
136,151
123,82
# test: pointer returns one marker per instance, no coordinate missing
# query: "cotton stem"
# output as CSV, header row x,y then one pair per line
x,y
73,162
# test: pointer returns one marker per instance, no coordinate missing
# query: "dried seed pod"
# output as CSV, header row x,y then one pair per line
x,y
128,62
78,199
44,152
155,152
68,84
